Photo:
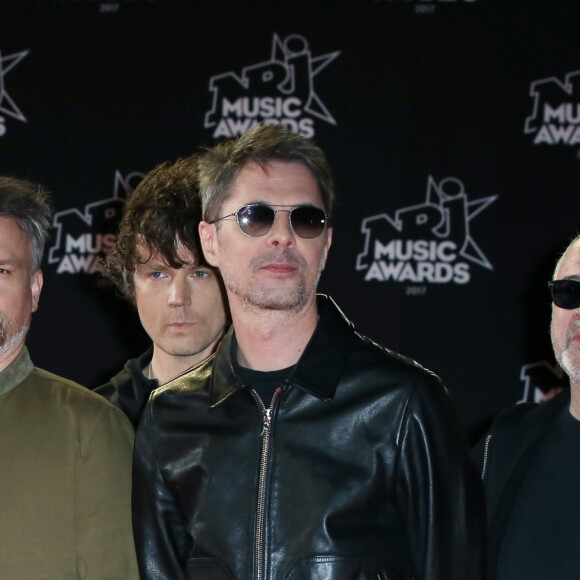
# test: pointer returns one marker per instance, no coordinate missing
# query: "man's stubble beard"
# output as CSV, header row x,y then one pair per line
x,y
564,356
285,299
10,338
568,366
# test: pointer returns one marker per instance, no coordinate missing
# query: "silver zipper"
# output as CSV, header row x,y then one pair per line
x,y
485,453
261,506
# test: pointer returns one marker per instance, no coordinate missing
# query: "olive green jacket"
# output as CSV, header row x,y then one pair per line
x,y
65,480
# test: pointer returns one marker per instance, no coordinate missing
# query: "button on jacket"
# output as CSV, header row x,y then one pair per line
x,y
354,471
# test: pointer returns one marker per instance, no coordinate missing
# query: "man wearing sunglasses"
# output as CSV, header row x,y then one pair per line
x,y
302,450
528,460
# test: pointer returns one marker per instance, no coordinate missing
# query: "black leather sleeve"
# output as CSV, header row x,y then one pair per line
x,y
160,537
441,489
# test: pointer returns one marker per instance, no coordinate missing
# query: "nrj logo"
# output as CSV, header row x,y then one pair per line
x,y
426,243
555,119
84,237
7,105
279,90
542,381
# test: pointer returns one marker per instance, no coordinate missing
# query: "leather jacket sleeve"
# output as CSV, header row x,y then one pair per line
x,y
441,491
160,535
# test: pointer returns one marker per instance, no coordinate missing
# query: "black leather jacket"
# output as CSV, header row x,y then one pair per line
x,y
357,472
129,389
504,455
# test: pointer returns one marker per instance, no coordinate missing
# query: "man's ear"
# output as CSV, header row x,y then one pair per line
x,y
208,239
36,287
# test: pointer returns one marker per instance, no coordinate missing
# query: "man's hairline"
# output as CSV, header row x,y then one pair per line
x,y
263,164
574,242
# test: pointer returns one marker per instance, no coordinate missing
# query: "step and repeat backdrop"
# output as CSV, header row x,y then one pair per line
x,y
453,127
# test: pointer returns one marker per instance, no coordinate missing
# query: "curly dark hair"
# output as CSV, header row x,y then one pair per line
x,y
163,213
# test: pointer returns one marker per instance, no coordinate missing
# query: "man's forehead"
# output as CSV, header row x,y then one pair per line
x,y
275,178
14,245
569,266
268,169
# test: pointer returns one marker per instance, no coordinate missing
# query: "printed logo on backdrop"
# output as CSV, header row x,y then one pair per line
x,y
427,6
8,108
83,236
555,117
542,381
281,89
109,6
427,243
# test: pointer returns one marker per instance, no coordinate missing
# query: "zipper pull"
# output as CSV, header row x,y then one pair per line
x,y
266,422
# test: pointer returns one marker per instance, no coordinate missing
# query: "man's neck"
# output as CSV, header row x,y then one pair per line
x,y
271,340
164,367
575,400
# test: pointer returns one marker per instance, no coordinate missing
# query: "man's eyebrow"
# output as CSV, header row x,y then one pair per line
x,y
9,261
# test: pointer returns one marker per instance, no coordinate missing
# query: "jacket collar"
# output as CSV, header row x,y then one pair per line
x,y
318,370
16,371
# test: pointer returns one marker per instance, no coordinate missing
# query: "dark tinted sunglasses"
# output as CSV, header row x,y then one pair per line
x,y
565,293
257,219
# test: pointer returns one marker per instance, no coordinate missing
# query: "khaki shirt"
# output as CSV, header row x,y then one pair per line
x,y
65,480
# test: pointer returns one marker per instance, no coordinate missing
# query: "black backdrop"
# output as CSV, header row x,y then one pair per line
x,y
451,126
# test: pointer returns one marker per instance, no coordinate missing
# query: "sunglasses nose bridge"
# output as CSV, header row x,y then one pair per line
x,y
283,226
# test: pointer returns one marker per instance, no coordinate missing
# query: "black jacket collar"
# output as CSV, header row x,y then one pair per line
x,y
318,370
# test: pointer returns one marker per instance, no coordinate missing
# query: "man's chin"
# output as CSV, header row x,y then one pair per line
x,y
180,352
10,342
290,302
570,363
275,298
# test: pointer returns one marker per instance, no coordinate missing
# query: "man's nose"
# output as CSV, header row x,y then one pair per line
x,y
180,292
281,232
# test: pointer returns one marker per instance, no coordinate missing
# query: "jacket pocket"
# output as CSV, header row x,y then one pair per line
x,y
207,569
367,567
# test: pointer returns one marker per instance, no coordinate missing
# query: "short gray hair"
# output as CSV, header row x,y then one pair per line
x,y
574,241
27,204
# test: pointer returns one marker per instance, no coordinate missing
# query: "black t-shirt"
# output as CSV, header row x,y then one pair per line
x,y
542,538
264,383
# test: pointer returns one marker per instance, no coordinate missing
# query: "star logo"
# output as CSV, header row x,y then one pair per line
x,y
7,104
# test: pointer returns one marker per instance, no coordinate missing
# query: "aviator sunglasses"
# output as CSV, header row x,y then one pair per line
x,y
257,219
565,293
